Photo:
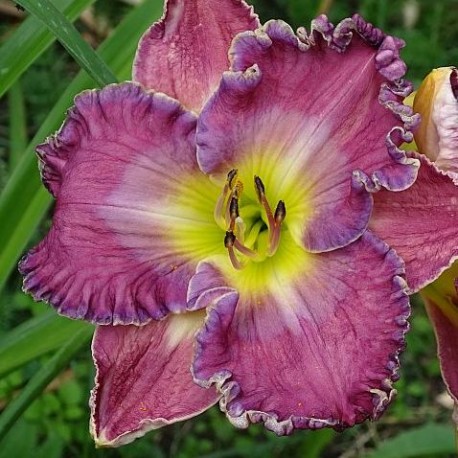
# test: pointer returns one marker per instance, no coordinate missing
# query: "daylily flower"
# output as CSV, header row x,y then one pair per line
x,y
437,137
235,204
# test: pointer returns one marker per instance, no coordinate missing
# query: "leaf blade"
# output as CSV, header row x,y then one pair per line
x,y
42,378
25,343
24,201
29,41
71,40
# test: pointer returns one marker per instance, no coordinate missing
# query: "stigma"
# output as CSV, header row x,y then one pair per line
x,y
241,235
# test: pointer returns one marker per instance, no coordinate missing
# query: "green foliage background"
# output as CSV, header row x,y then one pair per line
x,y
45,366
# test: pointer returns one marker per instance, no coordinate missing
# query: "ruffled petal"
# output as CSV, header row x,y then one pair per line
x,y
144,380
316,352
318,117
185,53
421,223
120,169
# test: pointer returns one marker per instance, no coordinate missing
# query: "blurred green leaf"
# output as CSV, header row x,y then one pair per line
x,y
43,377
27,342
70,39
315,442
51,448
431,439
29,40
20,441
18,124
24,201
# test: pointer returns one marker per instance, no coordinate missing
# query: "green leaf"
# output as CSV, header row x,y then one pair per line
x,y
24,201
42,378
70,39
35,338
427,440
29,41
21,441
18,124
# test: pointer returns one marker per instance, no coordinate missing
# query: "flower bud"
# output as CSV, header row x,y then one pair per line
x,y
436,101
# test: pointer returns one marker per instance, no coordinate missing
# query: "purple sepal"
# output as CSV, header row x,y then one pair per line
x,y
143,379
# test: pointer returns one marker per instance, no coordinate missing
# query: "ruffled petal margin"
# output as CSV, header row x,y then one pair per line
x,y
317,353
185,53
420,223
117,168
321,110
143,379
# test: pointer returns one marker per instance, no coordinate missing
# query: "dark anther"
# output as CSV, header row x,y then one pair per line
x,y
259,185
454,82
280,212
230,177
229,239
234,208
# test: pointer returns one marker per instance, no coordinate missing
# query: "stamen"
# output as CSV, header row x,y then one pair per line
x,y
233,212
261,192
274,236
230,177
280,212
229,241
220,208
245,250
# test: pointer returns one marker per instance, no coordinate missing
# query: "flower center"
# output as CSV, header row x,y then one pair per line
x,y
248,237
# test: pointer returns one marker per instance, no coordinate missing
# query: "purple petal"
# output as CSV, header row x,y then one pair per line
x,y
117,167
143,379
420,223
185,53
311,352
322,111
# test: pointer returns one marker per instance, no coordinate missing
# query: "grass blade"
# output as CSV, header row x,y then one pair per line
x,y
26,343
24,201
29,41
71,40
39,381
18,124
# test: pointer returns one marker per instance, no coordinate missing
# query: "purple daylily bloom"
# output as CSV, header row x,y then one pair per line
x,y
249,197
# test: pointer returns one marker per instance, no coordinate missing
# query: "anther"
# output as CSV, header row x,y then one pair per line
x,y
229,239
260,189
221,204
233,212
230,177
280,213
274,235
234,208
261,192
229,242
